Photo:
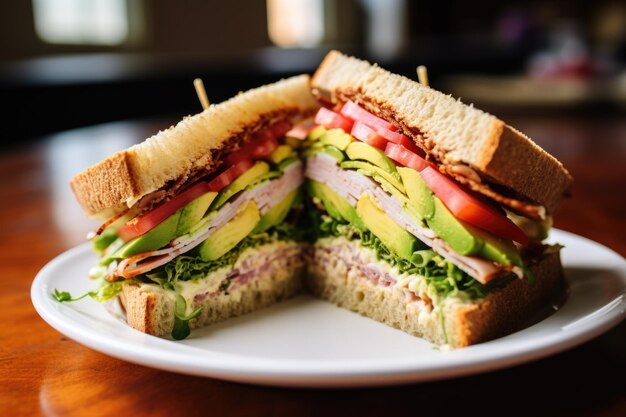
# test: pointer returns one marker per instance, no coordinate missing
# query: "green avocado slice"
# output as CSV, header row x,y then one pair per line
x,y
154,239
389,183
365,152
336,137
401,242
245,179
277,214
420,196
233,232
337,206
193,212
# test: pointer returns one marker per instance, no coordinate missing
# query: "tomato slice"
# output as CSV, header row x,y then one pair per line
x,y
229,175
358,113
400,139
279,129
262,145
471,209
331,120
405,157
142,224
366,134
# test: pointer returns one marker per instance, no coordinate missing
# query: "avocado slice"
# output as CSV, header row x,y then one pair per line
x,y
496,249
314,190
104,239
265,177
389,183
336,137
245,179
280,153
154,239
276,214
365,152
401,242
334,151
420,195
450,229
337,206
193,212
286,162
230,234
316,133
111,251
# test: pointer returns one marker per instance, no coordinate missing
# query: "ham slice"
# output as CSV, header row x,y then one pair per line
x,y
351,185
265,196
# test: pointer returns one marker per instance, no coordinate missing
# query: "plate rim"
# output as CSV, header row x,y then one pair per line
x,y
315,373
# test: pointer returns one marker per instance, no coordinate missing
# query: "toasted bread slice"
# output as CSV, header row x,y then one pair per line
x,y
193,144
333,275
451,132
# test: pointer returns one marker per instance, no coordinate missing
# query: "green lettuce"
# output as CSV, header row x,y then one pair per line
x,y
104,292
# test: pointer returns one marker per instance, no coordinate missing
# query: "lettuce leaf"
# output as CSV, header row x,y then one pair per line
x,y
105,292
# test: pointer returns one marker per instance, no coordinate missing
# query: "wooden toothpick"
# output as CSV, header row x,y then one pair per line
x,y
199,85
422,75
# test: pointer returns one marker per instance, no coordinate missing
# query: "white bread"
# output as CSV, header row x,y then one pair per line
x,y
332,276
192,144
150,309
451,132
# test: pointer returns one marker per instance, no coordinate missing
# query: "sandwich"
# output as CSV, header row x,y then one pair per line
x,y
201,221
362,187
431,213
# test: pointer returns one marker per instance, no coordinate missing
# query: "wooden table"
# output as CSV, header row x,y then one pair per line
x,y
44,373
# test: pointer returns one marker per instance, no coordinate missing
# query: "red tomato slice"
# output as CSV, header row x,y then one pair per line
x,y
279,129
469,208
366,134
358,113
140,225
405,157
262,144
331,120
400,139
229,175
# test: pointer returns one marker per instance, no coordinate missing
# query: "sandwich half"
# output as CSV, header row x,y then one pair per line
x,y
201,221
431,213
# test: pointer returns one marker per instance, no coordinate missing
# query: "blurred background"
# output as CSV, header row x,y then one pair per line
x,y
72,63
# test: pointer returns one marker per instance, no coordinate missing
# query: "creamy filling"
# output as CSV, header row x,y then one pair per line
x,y
254,264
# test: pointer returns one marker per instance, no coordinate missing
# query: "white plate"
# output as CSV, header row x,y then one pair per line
x,y
307,342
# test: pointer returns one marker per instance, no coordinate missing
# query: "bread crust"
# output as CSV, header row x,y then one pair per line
x,y
450,131
502,311
193,144
508,309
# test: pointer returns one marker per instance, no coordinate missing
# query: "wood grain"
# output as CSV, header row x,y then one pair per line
x,y
44,373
